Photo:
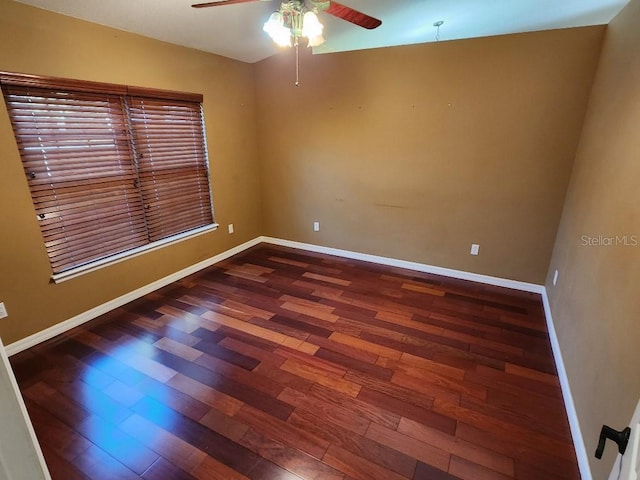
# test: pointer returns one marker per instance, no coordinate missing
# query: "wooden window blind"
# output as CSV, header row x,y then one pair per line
x,y
108,171
172,164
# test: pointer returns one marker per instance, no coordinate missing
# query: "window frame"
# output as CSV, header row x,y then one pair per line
x,y
126,94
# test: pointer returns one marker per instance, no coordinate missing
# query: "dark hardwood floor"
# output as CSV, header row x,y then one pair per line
x,y
283,364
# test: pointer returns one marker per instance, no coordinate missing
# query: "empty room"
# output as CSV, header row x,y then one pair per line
x,y
301,240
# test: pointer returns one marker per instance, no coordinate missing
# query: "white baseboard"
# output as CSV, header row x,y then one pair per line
x,y
84,317
419,267
578,440
576,432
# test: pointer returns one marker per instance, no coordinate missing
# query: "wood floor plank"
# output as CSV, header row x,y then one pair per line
x,y
280,364
199,436
315,360
305,328
232,388
397,394
424,452
60,439
315,311
224,424
289,458
205,394
429,290
285,432
526,436
366,410
283,378
237,374
177,400
417,366
56,404
212,469
359,445
432,385
172,448
338,415
264,356
95,401
422,413
119,445
367,346
427,472
406,320
325,278
322,376
467,470
165,470
565,467
178,348
457,446
60,467
515,384
550,424
354,364
96,463
357,467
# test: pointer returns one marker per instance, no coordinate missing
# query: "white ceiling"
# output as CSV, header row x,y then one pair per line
x,y
235,31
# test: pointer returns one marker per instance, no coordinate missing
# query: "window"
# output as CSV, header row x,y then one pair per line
x,y
111,169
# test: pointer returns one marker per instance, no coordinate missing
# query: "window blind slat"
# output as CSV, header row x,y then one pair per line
x,y
115,236
78,259
78,200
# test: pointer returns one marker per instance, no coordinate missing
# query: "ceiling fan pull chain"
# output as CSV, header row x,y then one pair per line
x,y
297,65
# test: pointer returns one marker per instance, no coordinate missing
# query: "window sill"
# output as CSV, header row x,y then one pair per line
x,y
112,260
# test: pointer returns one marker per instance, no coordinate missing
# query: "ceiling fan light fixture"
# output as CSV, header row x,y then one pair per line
x,y
316,41
311,26
280,34
293,21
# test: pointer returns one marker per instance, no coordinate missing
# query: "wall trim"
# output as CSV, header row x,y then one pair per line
x,y
576,433
84,317
572,415
420,267
569,405
95,312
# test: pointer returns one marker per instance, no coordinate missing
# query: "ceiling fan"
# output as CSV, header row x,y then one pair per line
x,y
293,10
297,18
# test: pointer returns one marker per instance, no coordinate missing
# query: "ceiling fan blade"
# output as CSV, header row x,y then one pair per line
x,y
350,15
221,2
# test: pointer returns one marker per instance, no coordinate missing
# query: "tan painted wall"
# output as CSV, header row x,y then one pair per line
x,y
596,304
417,152
411,152
38,42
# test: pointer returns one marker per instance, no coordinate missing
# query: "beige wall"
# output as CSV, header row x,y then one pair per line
x,y
596,303
411,152
417,152
38,42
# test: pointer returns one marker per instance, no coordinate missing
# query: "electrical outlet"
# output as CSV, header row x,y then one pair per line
x,y
3,310
475,249
230,228
555,278
316,226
